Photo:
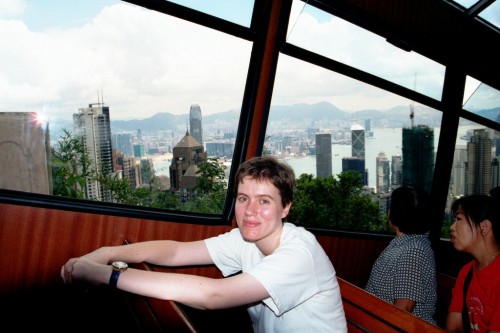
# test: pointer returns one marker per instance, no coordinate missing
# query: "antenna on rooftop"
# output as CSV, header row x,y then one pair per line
x,y
412,105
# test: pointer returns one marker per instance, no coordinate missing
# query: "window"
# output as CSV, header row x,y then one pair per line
x,y
121,81
369,130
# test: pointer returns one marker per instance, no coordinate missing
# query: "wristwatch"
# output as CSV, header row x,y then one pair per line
x,y
118,267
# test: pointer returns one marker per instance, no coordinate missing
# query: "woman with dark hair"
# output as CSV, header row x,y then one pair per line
x,y
405,272
476,230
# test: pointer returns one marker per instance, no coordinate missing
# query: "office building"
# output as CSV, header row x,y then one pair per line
x,y
323,155
356,164
196,124
418,157
396,172
25,153
358,140
383,173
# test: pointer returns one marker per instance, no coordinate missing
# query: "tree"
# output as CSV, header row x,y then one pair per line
x,y
70,166
119,188
210,190
331,202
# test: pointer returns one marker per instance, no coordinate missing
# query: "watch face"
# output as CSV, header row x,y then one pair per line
x,y
120,265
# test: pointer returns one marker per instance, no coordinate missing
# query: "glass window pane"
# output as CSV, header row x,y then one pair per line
x,y
342,41
125,67
466,3
239,12
475,167
482,99
345,111
492,14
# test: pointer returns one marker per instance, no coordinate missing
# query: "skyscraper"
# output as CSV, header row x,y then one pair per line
x,y
93,124
418,157
457,183
495,172
383,173
358,140
195,123
323,155
396,172
357,161
123,143
356,164
478,174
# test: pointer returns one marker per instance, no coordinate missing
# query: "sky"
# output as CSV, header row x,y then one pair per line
x,y
57,56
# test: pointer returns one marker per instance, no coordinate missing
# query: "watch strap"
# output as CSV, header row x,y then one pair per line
x,y
113,279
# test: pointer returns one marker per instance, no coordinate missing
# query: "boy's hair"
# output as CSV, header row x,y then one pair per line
x,y
268,169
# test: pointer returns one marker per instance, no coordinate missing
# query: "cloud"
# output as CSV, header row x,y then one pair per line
x,y
11,8
139,63
133,55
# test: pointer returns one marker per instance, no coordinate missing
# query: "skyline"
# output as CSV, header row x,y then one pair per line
x,y
83,49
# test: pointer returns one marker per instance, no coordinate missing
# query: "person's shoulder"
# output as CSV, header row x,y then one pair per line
x,y
466,268
290,229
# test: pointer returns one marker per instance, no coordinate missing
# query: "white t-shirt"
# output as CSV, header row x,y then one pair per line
x,y
299,276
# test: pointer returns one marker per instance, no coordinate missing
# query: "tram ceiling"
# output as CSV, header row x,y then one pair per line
x,y
440,30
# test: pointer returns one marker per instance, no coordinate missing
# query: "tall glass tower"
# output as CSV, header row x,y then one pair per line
x,y
418,157
195,123
358,140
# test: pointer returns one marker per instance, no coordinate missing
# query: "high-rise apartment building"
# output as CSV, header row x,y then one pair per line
x,y
93,124
478,174
323,155
123,143
195,123
495,172
457,182
418,157
396,172
383,173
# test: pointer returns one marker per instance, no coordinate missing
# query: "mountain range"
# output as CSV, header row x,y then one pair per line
x,y
321,115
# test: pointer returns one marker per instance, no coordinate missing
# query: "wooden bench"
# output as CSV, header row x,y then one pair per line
x,y
445,285
367,313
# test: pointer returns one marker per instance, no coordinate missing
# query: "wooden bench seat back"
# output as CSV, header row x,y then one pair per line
x,y
367,313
